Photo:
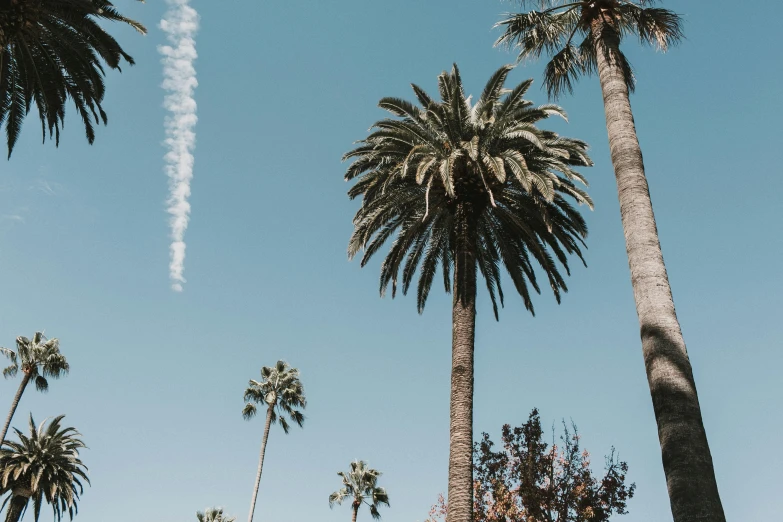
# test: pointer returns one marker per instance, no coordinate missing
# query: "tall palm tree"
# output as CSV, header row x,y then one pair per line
x,y
38,359
213,515
468,187
43,466
52,50
281,391
601,26
361,486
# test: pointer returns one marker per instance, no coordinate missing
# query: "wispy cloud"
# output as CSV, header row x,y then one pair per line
x,y
16,218
49,188
180,23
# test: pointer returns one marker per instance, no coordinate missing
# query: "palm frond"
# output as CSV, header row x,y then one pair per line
x,y
281,391
490,156
54,53
659,27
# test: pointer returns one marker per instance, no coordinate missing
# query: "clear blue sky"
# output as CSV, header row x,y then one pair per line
x,y
284,89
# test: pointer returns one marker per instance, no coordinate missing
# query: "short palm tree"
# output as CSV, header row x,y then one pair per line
x,y
43,466
52,50
38,358
360,485
601,25
468,188
213,515
281,391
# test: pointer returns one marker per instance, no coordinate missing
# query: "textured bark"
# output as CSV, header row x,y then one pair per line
x,y
355,511
16,508
460,493
687,463
260,463
17,397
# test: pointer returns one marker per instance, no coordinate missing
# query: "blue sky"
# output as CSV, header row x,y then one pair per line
x,y
284,89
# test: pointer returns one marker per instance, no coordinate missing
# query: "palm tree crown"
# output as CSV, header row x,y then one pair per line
x,y
555,26
43,466
37,357
52,50
213,515
452,176
360,484
281,391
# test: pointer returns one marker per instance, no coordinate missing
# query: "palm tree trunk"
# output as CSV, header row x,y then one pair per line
x,y
16,508
460,494
687,463
17,397
260,463
355,512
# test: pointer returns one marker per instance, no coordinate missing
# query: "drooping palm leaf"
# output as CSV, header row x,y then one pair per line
x,y
360,485
44,463
413,171
52,51
564,30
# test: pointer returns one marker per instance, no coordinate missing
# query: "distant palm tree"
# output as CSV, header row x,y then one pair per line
x,y
602,24
469,188
282,393
360,485
38,358
213,515
52,50
43,466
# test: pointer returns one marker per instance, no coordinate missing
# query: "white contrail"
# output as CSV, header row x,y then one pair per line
x,y
180,23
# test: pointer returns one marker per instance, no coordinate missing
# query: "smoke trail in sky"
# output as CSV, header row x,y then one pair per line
x,y
180,23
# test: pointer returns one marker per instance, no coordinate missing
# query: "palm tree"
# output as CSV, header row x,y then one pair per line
x,y
360,485
52,50
38,358
467,187
43,466
213,515
282,392
602,24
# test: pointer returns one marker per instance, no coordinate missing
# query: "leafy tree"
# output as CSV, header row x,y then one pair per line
x,y
213,515
468,188
601,25
361,486
282,392
43,466
528,481
52,50
38,359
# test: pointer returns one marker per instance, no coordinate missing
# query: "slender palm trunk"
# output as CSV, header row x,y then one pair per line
x,y
355,511
16,508
17,397
260,462
461,419
687,463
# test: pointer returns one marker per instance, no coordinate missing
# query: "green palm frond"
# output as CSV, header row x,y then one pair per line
x,y
489,157
564,30
38,357
281,391
45,462
52,51
360,484
213,515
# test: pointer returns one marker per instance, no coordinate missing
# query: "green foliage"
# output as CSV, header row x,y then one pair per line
x,y
38,357
484,170
565,30
52,50
360,484
281,391
213,515
44,466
